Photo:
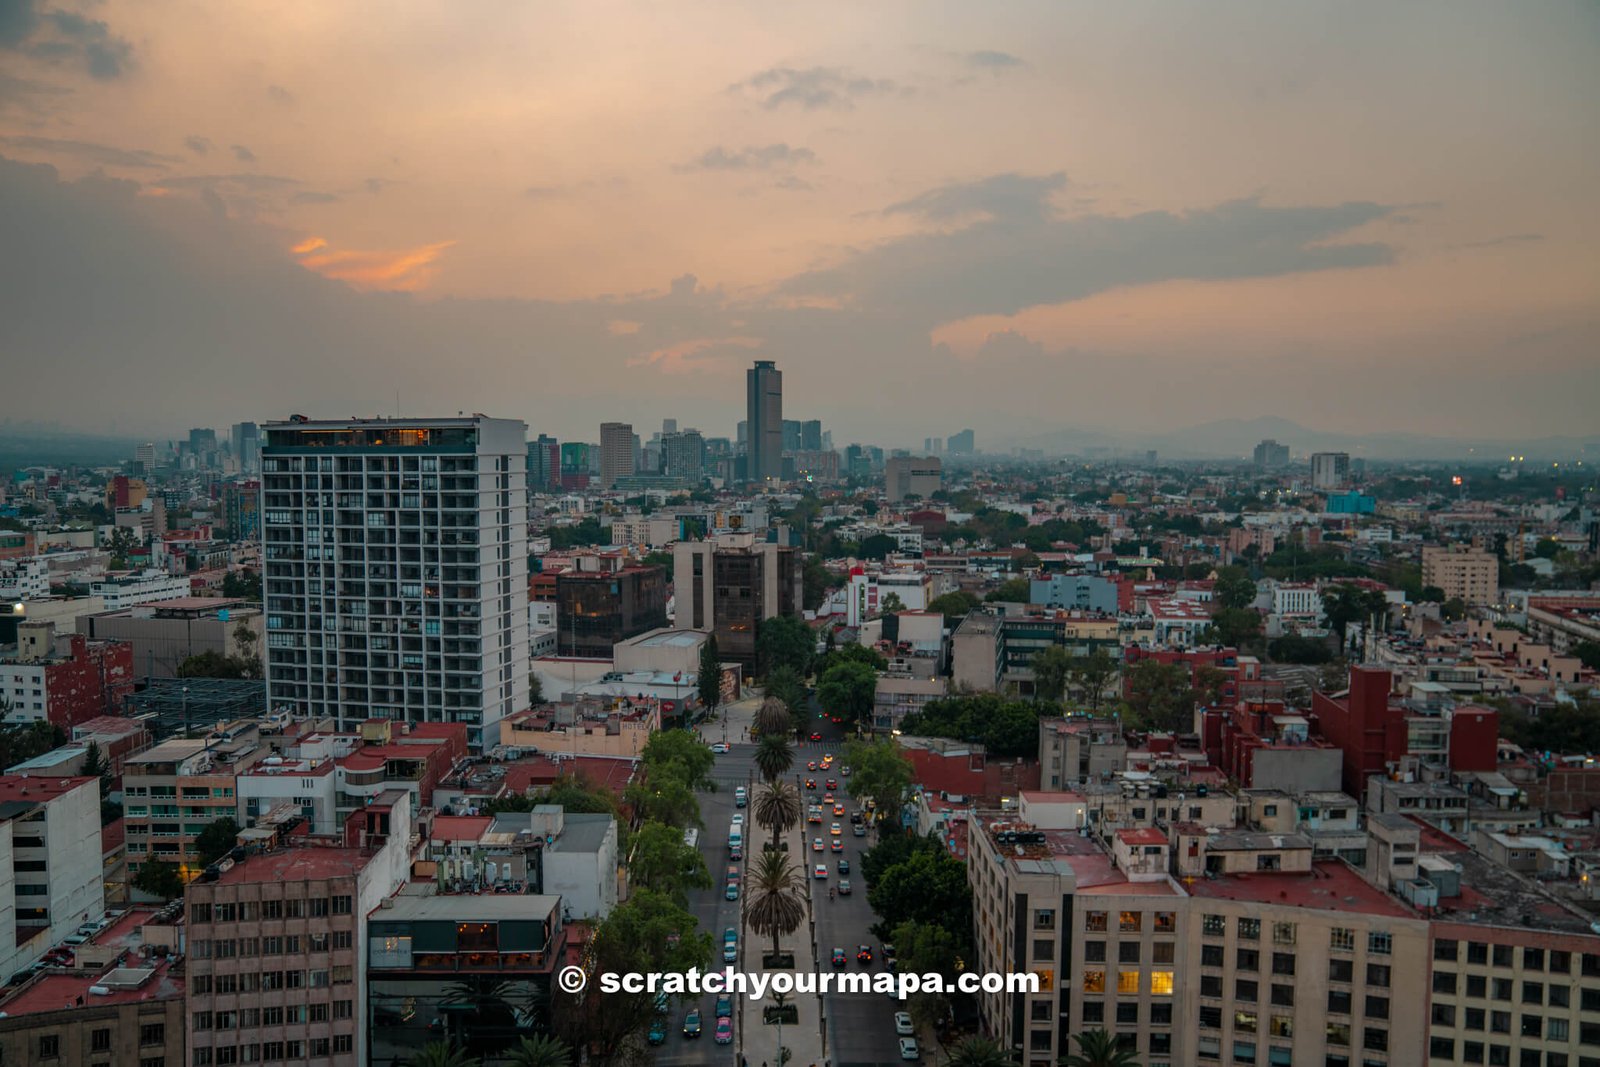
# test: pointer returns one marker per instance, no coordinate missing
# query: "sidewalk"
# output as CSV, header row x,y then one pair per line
x,y
757,1041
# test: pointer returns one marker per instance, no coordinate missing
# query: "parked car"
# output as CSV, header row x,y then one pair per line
x,y
902,1024
724,1006
908,1049
723,1035
858,830
731,892
821,871
691,1023
658,1032
740,797
838,957
844,887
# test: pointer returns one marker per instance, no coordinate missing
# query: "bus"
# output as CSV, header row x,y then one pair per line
x,y
736,841
691,838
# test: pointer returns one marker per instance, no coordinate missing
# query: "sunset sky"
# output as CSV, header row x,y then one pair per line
x,y
1018,217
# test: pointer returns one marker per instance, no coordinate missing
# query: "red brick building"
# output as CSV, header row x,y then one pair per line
x,y
67,680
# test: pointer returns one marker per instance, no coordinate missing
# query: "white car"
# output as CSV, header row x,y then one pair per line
x,y
902,1024
721,747
908,1049
738,818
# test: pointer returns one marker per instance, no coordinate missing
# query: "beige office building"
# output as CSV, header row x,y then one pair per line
x,y
1469,574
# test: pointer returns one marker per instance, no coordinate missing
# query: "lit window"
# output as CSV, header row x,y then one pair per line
x,y
1094,981
1128,982
1161,983
1094,921
1131,921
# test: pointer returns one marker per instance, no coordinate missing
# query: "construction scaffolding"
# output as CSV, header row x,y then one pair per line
x,y
172,707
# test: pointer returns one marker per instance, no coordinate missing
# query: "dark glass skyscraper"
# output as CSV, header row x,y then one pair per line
x,y
764,413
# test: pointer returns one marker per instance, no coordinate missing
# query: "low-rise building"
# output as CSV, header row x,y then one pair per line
x,y
145,587
173,791
62,679
164,634
50,864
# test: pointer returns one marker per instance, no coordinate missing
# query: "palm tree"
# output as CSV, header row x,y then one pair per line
x,y
778,809
774,757
775,902
540,1052
980,1052
441,1054
1099,1048
774,718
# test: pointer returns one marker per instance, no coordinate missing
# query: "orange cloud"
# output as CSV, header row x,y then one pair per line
x,y
403,270
688,356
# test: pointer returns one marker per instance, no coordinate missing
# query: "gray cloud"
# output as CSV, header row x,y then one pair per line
x,y
243,154
751,157
812,89
197,144
253,182
1001,196
56,36
105,155
987,60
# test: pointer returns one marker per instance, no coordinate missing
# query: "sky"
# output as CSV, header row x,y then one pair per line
x,y
933,214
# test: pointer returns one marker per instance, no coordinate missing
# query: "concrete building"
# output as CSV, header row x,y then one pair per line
x,y
163,635
1468,574
1080,592
729,585
764,415
173,791
24,578
396,568
596,609
65,680
683,455
1074,752
50,864
146,587
616,452
866,593
544,465
1270,453
961,443
1330,470
906,476
277,939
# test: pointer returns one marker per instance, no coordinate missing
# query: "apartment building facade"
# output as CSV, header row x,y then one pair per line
x,y
396,569
1462,573
730,585
173,791
50,864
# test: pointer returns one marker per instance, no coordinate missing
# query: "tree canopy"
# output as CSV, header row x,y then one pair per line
x,y
848,689
784,641
659,860
1160,695
1005,727
954,606
879,771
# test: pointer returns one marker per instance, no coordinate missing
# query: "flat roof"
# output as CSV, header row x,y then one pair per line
x,y
16,787
54,758
306,863
407,906
70,991
1326,887
667,639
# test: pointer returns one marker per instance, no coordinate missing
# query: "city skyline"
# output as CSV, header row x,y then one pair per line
x,y
1252,212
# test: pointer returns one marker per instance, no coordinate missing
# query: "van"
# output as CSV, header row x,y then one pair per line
x,y
739,797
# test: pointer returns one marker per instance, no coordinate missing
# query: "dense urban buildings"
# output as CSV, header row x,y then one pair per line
x,y
396,568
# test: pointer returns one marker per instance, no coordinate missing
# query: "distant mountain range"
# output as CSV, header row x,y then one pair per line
x,y
1237,439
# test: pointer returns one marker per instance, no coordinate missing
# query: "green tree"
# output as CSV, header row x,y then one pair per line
x,y
659,860
1011,591
1293,648
774,756
1345,604
1237,627
120,546
929,888
541,1051
815,581
160,879
217,840
877,546
535,690
1453,609
442,1054
894,849
976,1051
1051,668
891,605
243,583
1099,1048
22,741
680,755
1160,695
775,898
851,654
787,687
97,766
954,606
213,664
1005,727
579,796
1089,676
848,690
708,677
777,807
784,641
1588,653
924,948
667,799
881,773
774,718
659,559
1233,591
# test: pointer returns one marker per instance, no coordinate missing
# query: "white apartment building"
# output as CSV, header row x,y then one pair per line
x,y
867,592
24,579
146,587
1301,599
396,569
50,864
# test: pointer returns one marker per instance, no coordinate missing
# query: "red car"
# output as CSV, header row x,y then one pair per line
x,y
816,736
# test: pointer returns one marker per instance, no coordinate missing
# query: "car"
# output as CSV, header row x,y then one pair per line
x,y
827,798
722,748
724,1006
835,830
908,1049
730,934
815,736
864,955
811,783
733,872
855,818
816,844
738,818
75,940
821,871
811,765
730,952
902,1024
814,815
691,1023
723,1034
740,797
858,830
844,887
844,866
838,957
658,1032
833,783
827,757
663,1004
838,810
731,892
838,844
844,772
888,954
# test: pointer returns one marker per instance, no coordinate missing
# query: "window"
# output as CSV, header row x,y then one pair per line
x,y
1094,1011
1477,986
1444,1015
1377,1007
1560,996
1128,1013
1474,1019
1533,992
1244,1022
1094,981
1210,985
1283,933
1093,921
1445,951
1039,1011
1557,1030
1477,953
1442,1048
1250,929
50,1046
1131,922
1378,975
1246,990
1444,982
1499,1022
1533,959
1339,1001
1166,922
1342,939
1247,959
1500,989
1340,970
1128,952
1379,944
1044,919
1560,962
1161,983
1281,1026
1472,1052
1283,996
1163,952
1094,951
1532,1026
1502,955
1282,963
1244,1052
1214,925
1211,955
1161,1014
1128,982
1338,1033
100,1040
1211,1017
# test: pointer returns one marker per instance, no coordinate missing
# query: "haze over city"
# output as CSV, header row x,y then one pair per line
x,y
1025,219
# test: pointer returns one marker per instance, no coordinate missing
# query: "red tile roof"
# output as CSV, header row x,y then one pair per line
x,y
63,992
460,827
309,863
32,787
1328,887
